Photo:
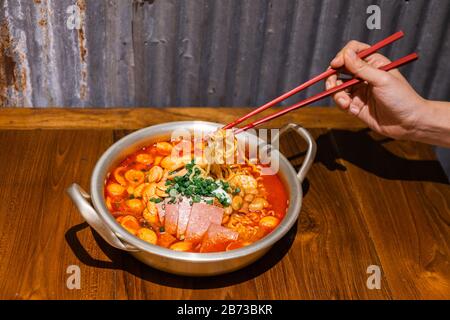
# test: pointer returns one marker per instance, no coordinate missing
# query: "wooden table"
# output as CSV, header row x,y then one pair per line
x,y
369,201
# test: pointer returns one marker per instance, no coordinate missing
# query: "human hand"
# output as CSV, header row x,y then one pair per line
x,y
385,101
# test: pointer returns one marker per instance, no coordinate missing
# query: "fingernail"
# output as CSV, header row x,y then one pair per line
x,y
342,102
354,110
327,84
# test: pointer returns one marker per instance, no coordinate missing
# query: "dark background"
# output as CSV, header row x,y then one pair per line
x,y
201,52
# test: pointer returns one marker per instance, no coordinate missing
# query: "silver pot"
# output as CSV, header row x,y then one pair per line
x,y
94,211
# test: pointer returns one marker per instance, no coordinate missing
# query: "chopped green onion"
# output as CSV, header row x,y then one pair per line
x,y
173,192
193,186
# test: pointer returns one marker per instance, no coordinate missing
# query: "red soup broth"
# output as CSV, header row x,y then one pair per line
x,y
142,173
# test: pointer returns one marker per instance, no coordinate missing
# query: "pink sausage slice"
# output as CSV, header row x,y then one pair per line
x,y
217,238
202,215
184,212
171,219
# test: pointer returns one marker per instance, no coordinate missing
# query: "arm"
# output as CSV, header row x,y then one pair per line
x,y
386,102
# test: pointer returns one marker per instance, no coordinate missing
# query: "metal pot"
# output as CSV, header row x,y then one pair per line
x,y
94,211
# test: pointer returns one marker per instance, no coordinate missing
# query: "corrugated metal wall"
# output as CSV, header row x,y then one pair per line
x,y
201,52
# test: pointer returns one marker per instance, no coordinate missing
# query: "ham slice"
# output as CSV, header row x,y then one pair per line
x,y
202,215
218,238
171,218
184,213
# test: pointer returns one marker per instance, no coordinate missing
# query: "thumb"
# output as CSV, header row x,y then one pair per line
x,y
363,70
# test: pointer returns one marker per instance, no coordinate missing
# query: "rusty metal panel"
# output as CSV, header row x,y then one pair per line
x,y
200,52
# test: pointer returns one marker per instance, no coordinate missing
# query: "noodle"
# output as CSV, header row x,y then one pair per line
x,y
144,196
218,166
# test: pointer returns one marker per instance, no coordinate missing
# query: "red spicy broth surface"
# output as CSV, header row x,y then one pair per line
x,y
185,204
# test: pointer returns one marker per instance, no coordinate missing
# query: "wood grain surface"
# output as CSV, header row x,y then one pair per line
x,y
127,118
368,201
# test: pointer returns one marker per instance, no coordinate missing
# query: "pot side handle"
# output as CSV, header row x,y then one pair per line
x,y
310,153
80,199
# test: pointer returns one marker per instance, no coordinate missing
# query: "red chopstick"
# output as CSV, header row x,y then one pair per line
x,y
326,74
402,61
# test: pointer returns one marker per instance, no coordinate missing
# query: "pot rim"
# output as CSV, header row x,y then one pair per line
x,y
97,196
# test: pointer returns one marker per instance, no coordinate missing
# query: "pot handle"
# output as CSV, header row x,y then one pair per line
x,y
312,147
80,199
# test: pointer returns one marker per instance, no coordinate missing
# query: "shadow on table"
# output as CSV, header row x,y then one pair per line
x,y
358,148
363,151
125,262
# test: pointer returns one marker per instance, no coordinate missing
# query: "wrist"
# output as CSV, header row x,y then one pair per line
x,y
414,124
432,123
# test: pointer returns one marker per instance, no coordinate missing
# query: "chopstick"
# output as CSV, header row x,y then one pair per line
x,y
363,54
402,61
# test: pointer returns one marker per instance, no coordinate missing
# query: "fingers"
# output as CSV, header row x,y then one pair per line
x,y
356,105
341,98
364,70
354,45
377,60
